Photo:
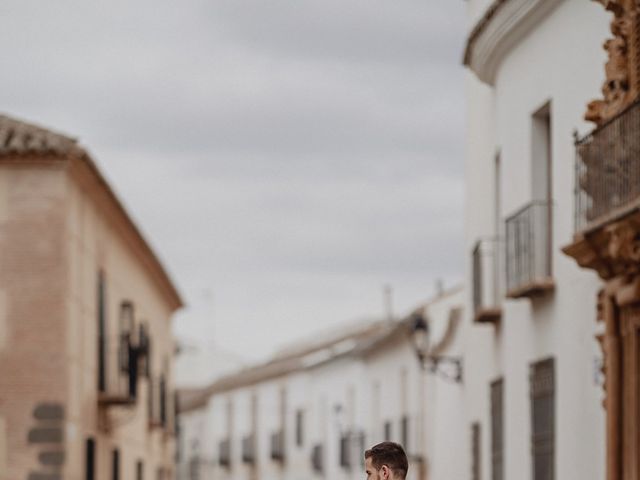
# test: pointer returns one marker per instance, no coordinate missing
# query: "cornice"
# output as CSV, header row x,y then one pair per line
x,y
502,26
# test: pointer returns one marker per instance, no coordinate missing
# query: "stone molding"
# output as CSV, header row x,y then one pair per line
x,y
504,24
612,250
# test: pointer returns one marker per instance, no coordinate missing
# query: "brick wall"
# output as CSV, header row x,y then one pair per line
x,y
33,284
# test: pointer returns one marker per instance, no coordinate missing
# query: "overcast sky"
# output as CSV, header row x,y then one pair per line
x,y
285,159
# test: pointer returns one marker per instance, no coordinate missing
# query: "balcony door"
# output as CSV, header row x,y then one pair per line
x,y
630,386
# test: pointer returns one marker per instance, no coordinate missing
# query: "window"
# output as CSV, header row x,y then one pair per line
x,y
90,459
345,451
497,430
541,165
249,449
497,198
387,431
541,171
542,378
475,451
404,432
144,340
194,468
300,428
317,460
102,334
151,410
163,401
115,464
139,470
128,356
224,453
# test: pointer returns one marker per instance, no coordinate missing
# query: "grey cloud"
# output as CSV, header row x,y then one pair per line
x,y
292,156
410,32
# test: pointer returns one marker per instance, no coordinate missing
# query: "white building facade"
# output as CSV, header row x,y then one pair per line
x,y
533,386
312,411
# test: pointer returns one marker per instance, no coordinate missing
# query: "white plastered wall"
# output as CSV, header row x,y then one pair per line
x,y
560,61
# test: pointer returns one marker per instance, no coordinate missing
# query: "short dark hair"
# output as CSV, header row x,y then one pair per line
x,y
390,454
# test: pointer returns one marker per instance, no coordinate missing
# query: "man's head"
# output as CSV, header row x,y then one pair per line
x,y
386,461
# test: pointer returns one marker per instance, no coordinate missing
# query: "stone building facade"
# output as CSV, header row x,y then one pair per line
x,y
85,322
534,380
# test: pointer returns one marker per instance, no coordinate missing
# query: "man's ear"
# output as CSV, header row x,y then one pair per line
x,y
386,472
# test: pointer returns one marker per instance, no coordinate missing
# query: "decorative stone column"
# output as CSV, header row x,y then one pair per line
x,y
609,242
613,250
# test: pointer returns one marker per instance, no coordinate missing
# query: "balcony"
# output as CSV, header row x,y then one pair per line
x,y
317,458
118,380
345,451
249,450
277,446
486,274
528,251
224,453
608,171
195,464
153,400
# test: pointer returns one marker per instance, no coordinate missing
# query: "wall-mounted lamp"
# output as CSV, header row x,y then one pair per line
x,y
449,368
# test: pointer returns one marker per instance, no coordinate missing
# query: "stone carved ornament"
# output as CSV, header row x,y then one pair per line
x,y
622,69
623,246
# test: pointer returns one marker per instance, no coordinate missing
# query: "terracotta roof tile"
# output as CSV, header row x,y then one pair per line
x,y
22,138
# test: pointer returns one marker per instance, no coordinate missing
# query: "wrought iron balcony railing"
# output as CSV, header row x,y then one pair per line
x,y
317,458
528,250
486,280
224,453
608,170
119,382
249,449
345,450
277,446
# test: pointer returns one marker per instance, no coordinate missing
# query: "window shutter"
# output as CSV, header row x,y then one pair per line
x,y
497,430
475,451
404,432
542,379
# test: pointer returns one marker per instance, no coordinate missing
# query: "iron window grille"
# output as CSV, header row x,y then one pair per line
x,y
277,446
224,453
249,449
